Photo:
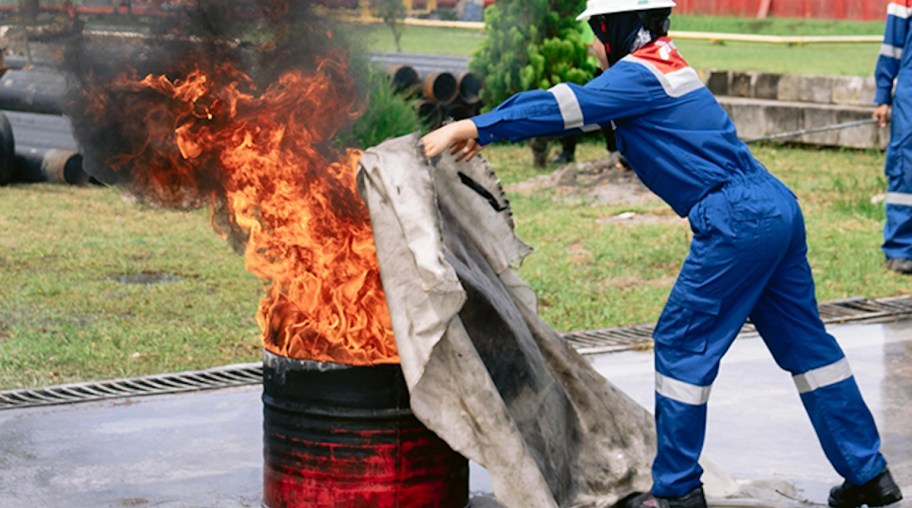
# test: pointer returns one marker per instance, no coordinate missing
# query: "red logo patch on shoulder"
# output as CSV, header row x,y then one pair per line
x,y
663,54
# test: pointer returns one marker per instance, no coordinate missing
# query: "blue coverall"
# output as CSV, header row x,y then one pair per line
x,y
748,256
895,64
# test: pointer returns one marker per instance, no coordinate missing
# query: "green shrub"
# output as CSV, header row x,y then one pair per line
x,y
386,115
529,45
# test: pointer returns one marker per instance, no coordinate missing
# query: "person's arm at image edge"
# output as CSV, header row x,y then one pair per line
x,y
888,61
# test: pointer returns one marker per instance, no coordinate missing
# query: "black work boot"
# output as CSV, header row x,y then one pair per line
x,y
899,265
880,491
694,499
564,157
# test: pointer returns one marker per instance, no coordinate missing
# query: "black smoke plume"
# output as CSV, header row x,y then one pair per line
x,y
126,132
261,39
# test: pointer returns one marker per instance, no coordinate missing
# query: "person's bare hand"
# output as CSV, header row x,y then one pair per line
x,y
435,142
460,136
882,115
466,150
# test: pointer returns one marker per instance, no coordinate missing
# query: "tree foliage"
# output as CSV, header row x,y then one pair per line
x,y
28,10
385,115
392,12
531,44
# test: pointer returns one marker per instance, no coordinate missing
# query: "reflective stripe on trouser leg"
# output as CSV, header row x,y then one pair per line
x,y
898,225
681,413
898,170
729,264
787,319
843,423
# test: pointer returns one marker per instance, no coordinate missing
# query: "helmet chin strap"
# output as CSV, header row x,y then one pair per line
x,y
617,32
604,41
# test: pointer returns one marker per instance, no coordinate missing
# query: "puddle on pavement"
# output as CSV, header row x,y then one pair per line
x,y
145,278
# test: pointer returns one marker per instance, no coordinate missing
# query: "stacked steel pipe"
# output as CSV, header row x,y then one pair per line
x,y
36,140
443,95
37,143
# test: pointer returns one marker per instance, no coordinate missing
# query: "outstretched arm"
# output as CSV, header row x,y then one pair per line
x,y
891,51
562,109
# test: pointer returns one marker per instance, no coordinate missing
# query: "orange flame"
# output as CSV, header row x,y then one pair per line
x,y
308,231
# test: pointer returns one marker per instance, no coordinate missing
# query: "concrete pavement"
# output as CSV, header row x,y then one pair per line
x,y
204,449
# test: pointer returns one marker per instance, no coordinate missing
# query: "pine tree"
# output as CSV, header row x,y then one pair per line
x,y
531,44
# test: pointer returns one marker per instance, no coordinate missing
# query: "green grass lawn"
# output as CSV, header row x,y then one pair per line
x,y
73,305
856,59
776,26
96,286
78,264
813,59
592,272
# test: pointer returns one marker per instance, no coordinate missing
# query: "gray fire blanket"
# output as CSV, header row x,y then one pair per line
x,y
484,372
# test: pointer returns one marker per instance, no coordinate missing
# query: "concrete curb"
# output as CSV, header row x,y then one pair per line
x,y
763,104
756,118
843,90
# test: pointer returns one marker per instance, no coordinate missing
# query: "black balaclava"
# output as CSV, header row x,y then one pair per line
x,y
618,31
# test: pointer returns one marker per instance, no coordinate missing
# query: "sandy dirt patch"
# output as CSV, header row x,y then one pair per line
x,y
603,181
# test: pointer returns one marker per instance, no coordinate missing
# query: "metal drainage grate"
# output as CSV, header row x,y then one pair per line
x,y
219,377
586,342
841,311
610,340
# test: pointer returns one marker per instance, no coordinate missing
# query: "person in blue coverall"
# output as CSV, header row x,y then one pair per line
x,y
747,259
894,64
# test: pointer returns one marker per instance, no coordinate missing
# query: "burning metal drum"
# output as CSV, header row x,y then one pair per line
x,y
344,436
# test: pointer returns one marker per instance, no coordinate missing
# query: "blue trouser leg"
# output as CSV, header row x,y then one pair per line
x,y
787,319
737,242
748,258
898,170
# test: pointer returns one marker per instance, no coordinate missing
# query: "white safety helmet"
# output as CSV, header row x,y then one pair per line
x,y
597,7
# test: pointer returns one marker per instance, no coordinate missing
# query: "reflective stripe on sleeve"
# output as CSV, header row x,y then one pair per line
x,y
891,51
824,376
680,391
899,198
900,11
569,106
